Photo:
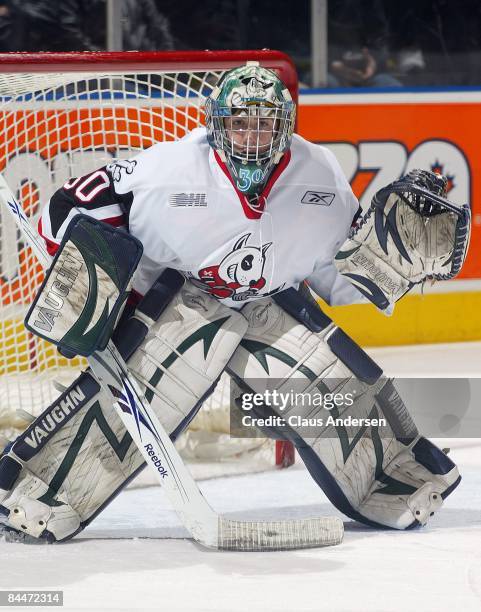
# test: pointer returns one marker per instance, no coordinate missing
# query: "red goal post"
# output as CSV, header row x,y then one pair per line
x,y
62,115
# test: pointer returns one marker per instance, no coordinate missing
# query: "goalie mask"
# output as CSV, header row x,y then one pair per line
x,y
250,119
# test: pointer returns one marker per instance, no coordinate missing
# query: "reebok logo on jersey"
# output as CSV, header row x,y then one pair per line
x,y
318,197
188,199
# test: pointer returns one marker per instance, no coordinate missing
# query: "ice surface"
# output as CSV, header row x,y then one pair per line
x,y
134,556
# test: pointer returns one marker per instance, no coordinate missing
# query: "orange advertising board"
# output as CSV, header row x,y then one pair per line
x,y
376,138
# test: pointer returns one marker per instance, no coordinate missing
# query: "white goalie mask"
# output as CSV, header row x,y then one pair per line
x,y
250,119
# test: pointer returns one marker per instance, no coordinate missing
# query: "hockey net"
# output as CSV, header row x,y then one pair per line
x,y
61,116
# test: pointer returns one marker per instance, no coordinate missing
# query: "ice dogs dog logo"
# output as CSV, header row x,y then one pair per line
x,y
240,275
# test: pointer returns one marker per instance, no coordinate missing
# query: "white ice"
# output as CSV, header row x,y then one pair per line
x,y
137,556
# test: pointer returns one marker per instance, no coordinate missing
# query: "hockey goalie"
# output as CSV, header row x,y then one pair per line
x,y
233,229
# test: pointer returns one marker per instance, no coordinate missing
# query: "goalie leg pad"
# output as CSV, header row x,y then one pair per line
x,y
43,474
77,455
381,475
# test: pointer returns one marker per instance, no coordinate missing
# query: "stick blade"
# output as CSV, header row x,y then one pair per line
x,y
279,535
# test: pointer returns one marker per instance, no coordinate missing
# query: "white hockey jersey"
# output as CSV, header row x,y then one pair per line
x,y
178,199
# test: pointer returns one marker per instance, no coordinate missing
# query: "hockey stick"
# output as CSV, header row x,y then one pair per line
x,y
206,526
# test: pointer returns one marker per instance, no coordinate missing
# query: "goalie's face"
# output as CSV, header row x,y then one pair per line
x,y
252,135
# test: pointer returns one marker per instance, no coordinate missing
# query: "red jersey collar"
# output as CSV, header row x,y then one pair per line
x,y
248,208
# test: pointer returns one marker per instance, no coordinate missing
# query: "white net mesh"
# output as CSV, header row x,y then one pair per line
x,y
56,126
